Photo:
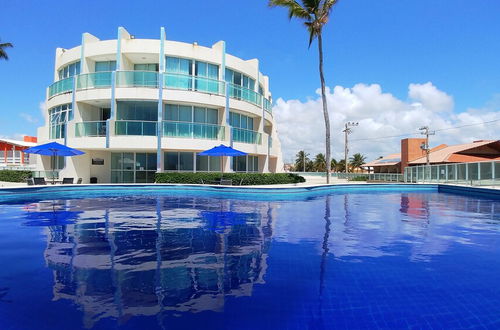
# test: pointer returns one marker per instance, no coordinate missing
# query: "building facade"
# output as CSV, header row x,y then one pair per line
x,y
140,106
12,154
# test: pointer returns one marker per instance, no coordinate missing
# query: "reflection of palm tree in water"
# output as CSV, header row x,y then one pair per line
x,y
324,255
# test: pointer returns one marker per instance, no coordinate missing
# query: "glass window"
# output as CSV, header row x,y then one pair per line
x,y
146,67
200,115
185,113
214,163
57,163
171,161
179,65
212,116
143,111
58,117
207,70
186,161
69,70
202,163
128,161
240,163
102,66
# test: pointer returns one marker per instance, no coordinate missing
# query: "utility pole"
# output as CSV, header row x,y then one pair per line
x,y
426,132
347,131
304,159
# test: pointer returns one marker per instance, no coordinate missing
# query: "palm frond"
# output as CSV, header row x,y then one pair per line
x,y
294,8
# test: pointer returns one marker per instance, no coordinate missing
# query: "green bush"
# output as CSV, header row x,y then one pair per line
x,y
244,179
14,176
359,178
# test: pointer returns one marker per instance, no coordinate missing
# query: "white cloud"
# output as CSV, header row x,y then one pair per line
x,y
301,125
431,98
29,118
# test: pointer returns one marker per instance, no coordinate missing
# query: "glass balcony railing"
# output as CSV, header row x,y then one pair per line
x,y
134,127
193,130
268,106
93,80
90,128
61,86
137,79
178,81
246,136
207,85
245,94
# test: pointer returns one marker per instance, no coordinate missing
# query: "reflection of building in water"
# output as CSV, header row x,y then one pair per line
x,y
146,256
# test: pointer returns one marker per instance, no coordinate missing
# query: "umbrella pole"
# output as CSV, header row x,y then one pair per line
x,y
53,165
222,168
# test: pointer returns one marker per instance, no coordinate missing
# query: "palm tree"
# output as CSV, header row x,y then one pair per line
x,y
3,53
315,14
301,161
357,160
319,163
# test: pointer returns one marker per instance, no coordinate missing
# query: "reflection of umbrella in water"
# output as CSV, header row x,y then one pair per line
x,y
218,221
50,214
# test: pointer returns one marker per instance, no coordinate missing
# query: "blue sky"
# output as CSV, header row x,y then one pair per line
x,y
392,43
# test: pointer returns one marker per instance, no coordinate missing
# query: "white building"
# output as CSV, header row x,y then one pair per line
x,y
138,106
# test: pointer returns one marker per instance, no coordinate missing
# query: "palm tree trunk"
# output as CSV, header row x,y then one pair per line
x,y
325,108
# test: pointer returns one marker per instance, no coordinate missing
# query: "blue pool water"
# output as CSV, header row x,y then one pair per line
x,y
174,258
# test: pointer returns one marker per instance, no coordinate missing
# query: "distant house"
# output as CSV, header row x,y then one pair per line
x,y
412,154
11,151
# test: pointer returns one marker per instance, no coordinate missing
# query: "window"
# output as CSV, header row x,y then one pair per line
x,y
207,70
186,113
129,167
246,163
146,67
69,70
240,121
179,161
57,163
103,66
239,79
179,65
208,164
261,90
58,117
142,111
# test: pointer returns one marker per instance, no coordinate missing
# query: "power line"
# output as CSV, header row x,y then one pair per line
x,y
418,133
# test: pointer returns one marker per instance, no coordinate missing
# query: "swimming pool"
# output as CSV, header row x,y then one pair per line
x,y
384,256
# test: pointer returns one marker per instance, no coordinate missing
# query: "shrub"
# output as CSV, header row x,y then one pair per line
x,y
244,179
359,178
14,176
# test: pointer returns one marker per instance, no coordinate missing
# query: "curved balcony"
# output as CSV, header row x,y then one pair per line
x,y
193,130
90,129
137,79
93,80
61,86
245,94
268,106
150,79
246,136
134,127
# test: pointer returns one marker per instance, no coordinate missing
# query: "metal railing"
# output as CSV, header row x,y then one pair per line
x,y
137,79
61,86
134,127
90,128
477,173
193,130
246,136
93,80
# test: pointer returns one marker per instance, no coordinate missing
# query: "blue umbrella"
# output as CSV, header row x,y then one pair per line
x,y
53,149
222,151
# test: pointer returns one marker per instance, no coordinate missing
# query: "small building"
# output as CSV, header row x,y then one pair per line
x,y
12,151
413,154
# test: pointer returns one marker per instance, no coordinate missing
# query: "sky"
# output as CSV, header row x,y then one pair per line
x,y
391,65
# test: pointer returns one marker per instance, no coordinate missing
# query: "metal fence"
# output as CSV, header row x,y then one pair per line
x,y
477,174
